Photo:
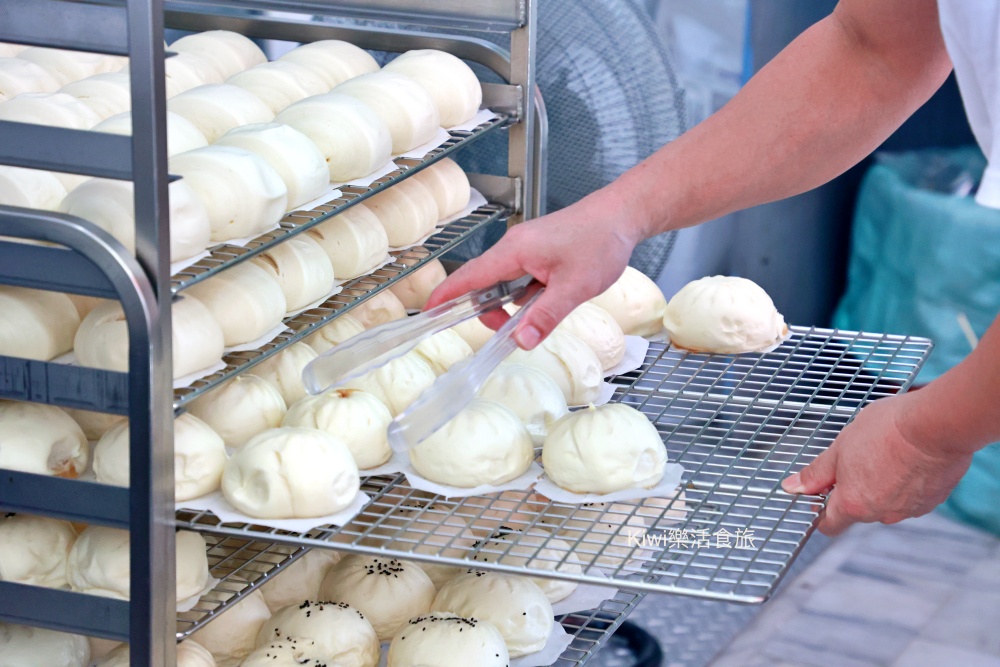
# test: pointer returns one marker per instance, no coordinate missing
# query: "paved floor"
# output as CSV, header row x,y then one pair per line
x,y
922,593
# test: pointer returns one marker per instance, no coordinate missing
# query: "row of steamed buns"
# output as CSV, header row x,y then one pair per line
x,y
268,140
386,594
242,303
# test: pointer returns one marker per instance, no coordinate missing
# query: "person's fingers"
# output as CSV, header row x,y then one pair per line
x,y
496,264
816,477
835,519
560,297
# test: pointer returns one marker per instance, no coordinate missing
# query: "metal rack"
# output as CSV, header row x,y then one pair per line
x,y
737,423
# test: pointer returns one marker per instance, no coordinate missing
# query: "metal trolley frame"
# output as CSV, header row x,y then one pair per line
x,y
738,424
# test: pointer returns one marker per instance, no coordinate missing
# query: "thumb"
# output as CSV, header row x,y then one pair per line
x,y
560,297
816,477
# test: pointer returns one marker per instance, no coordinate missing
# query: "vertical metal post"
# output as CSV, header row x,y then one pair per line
x,y
521,150
154,614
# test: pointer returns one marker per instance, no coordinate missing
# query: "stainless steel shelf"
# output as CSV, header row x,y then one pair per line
x,y
354,292
738,424
224,256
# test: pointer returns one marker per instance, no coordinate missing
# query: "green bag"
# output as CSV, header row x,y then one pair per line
x,y
922,258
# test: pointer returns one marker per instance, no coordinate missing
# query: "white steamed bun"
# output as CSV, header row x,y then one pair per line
x,y
34,550
538,547
109,204
216,108
354,240
244,195
401,102
407,211
334,333
484,444
31,188
233,635
21,76
284,371
41,439
102,339
568,361
415,289
378,309
289,473
301,268
604,449
599,330
356,417
474,332
107,94
99,563
36,324
189,654
289,152
280,83
396,384
530,394
443,350
245,300
240,409
185,71
451,84
449,185
354,141
723,315
230,51
26,646
301,580
66,66
94,424
333,60
635,302
54,109
182,135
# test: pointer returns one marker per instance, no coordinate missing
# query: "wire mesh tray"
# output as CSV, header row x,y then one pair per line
x,y
352,293
224,256
738,424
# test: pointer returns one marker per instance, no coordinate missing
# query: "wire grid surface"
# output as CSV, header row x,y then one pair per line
x,y
738,425
352,293
224,256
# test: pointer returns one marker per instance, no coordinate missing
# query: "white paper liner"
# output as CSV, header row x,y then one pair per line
x,y
586,596
181,264
188,380
265,338
336,289
557,644
217,504
368,179
482,116
520,483
476,199
243,241
188,604
69,359
666,488
421,151
325,198
635,355
393,466
388,259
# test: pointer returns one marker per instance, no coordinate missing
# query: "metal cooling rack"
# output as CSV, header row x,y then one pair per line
x,y
352,293
224,256
738,425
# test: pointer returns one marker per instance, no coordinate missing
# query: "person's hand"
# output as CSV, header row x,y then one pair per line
x,y
877,472
577,253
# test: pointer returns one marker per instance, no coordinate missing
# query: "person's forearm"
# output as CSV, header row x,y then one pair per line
x,y
960,411
818,108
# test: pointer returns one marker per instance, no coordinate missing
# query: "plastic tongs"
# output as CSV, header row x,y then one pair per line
x,y
450,392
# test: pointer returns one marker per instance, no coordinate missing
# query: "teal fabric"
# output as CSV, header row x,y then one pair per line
x,y
919,258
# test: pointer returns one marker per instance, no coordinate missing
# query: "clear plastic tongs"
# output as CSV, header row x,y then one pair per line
x,y
450,392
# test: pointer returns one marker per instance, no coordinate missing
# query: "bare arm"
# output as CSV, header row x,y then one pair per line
x,y
820,106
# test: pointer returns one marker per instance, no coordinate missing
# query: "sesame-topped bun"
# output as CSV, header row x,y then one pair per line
x,y
515,605
286,654
443,639
386,590
335,631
